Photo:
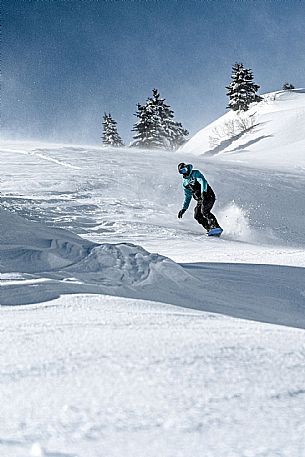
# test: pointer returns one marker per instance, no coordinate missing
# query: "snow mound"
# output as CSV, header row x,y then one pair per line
x,y
117,264
270,132
30,247
39,253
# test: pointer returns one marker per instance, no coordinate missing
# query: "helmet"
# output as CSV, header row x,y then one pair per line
x,y
184,169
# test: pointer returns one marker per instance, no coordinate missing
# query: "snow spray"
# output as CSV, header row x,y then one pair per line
x,y
235,222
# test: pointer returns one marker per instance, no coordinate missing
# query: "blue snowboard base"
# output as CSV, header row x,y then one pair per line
x,y
215,232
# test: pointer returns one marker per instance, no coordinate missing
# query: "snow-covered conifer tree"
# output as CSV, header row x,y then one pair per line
x,y
110,133
242,90
178,135
156,127
174,135
148,128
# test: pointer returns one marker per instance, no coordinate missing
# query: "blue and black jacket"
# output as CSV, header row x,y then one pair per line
x,y
195,185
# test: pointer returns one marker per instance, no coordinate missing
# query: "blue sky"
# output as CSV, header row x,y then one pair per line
x,y
66,62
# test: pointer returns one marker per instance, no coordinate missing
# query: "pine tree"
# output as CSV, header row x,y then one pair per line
x,y
110,133
147,128
242,90
288,86
178,136
156,127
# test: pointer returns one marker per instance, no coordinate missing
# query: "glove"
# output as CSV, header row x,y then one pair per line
x,y
181,212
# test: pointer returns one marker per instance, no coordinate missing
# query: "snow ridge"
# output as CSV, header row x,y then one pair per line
x,y
272,134
56,254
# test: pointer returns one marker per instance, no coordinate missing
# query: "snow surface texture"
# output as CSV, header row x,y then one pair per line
x,y
98,359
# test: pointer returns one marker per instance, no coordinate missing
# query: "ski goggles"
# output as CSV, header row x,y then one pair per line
x,y
183,171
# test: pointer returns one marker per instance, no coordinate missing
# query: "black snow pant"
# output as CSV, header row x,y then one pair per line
x,y
202,212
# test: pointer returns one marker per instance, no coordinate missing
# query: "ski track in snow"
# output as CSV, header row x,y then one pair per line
x,y
42,156
90,375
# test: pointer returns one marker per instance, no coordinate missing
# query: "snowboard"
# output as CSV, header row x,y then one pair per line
x,y
215,232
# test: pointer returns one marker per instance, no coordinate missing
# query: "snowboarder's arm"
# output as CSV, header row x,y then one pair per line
x,y
201,179
187,198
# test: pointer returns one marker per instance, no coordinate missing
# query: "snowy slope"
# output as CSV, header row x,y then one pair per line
x,y
50,262
99,356
102,376
116,197
276,139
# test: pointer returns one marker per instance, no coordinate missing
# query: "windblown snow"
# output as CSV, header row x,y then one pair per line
x,y
126,331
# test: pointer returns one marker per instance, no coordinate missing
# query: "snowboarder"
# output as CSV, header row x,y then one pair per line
x,y
195,185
